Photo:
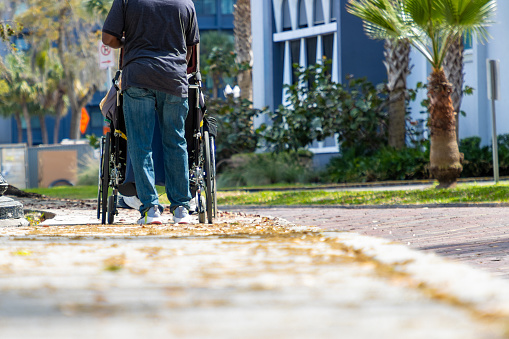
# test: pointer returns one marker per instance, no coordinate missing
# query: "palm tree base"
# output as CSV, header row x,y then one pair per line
x,y
447,177
446,185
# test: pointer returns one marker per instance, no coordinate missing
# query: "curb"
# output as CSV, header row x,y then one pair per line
x,y
455,205
465,286
429,182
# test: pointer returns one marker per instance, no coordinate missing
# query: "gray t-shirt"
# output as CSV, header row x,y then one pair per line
x,y
157,33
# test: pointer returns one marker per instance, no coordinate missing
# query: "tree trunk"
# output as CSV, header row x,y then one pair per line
x,y
75,101
397,61
445,158
453,68
74,132
26,116
56,129
60,108
17,117
215,86
243,49
44,129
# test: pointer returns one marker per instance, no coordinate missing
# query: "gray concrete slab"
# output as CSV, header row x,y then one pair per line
x,y
245,276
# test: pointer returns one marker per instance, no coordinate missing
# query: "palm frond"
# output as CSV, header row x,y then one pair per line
x,y
470,17
380,17
429,25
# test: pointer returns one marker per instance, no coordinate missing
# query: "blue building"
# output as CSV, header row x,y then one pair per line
x,y
302,31
287,32
215,14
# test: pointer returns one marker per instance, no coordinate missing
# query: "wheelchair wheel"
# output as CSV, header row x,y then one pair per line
x,y
100,182
213,165
105,176
112,208
200,207
208,180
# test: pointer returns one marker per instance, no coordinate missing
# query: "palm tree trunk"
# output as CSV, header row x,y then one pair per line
x,y
75,103
242,32
453,68
26,116
445,158
60,108
397,63
215,86
44,129
17,117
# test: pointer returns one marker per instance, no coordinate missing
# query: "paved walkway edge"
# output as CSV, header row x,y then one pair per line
x,y
464,285
235,207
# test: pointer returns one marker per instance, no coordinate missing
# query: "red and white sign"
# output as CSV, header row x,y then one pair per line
x,y
106,56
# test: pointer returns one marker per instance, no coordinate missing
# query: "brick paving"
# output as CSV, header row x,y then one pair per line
x,y
243,277
478,236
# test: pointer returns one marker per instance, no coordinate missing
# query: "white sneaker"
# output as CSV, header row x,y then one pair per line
x,y
181,215
132,202
192,205
152,216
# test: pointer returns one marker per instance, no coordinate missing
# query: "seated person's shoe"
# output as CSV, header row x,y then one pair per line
x,y
192,205
151,216
181,215
133,202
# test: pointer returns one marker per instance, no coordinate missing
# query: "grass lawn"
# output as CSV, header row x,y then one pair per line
x,y
463,193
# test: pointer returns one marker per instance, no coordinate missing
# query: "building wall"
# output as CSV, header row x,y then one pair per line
x,y
358,55
215,14
286,32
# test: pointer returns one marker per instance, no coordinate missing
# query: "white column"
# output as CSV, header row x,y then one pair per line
x,y
303,60
287,71
335,59
278,13
309,12
319,49
294,13
263,68
326,10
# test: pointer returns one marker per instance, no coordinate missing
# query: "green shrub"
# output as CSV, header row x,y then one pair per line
x,y
385,164
354,109
255,169
235,132
411,163
478,160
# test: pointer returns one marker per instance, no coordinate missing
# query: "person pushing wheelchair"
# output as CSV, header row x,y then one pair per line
x,y
157,36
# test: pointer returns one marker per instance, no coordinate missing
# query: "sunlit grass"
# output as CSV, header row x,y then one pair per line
x,y
463,193
77,192
466,193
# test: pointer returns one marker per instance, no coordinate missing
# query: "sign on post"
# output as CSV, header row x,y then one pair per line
x,y
493,72
106,56
493,68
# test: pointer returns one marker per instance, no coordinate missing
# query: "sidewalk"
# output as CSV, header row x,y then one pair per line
x,y
251,276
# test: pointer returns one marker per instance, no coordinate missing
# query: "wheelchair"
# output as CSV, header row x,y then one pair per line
x,y
200,132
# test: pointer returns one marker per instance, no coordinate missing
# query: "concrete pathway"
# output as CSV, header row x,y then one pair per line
x,y
478,236
243,277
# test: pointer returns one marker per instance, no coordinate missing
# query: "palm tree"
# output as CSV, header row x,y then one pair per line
x,y
52,95
100,7
431,26
218,58
22,91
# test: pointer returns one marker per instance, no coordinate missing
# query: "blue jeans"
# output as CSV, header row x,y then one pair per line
x,y
141,108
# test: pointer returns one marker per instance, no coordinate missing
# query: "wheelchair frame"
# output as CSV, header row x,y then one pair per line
x,y
202,165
